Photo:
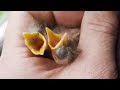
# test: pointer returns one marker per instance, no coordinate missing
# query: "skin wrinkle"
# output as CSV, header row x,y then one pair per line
x,y
105,25
103,28
103,44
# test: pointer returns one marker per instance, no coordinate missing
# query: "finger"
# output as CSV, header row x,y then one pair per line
x,y
68,18
98,35
43,16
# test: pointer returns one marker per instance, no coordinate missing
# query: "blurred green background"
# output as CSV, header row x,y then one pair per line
x,y
3,16
3,23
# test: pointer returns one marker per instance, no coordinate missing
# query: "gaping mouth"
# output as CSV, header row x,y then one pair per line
x,y
35,42
55,40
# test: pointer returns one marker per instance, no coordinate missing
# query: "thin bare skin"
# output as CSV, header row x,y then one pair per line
x,y
97,57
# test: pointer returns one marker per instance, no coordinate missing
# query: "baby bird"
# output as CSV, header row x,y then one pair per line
x,y
64,44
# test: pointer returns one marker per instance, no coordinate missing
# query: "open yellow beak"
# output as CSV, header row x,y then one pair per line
x,y
36,42
55,40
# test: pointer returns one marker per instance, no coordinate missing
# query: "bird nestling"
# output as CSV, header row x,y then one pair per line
x,y
61,43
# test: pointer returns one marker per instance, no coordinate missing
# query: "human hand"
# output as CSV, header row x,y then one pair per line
x,y
97,45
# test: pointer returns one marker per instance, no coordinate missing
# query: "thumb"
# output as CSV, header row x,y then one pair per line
x,y
98,32
97,41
